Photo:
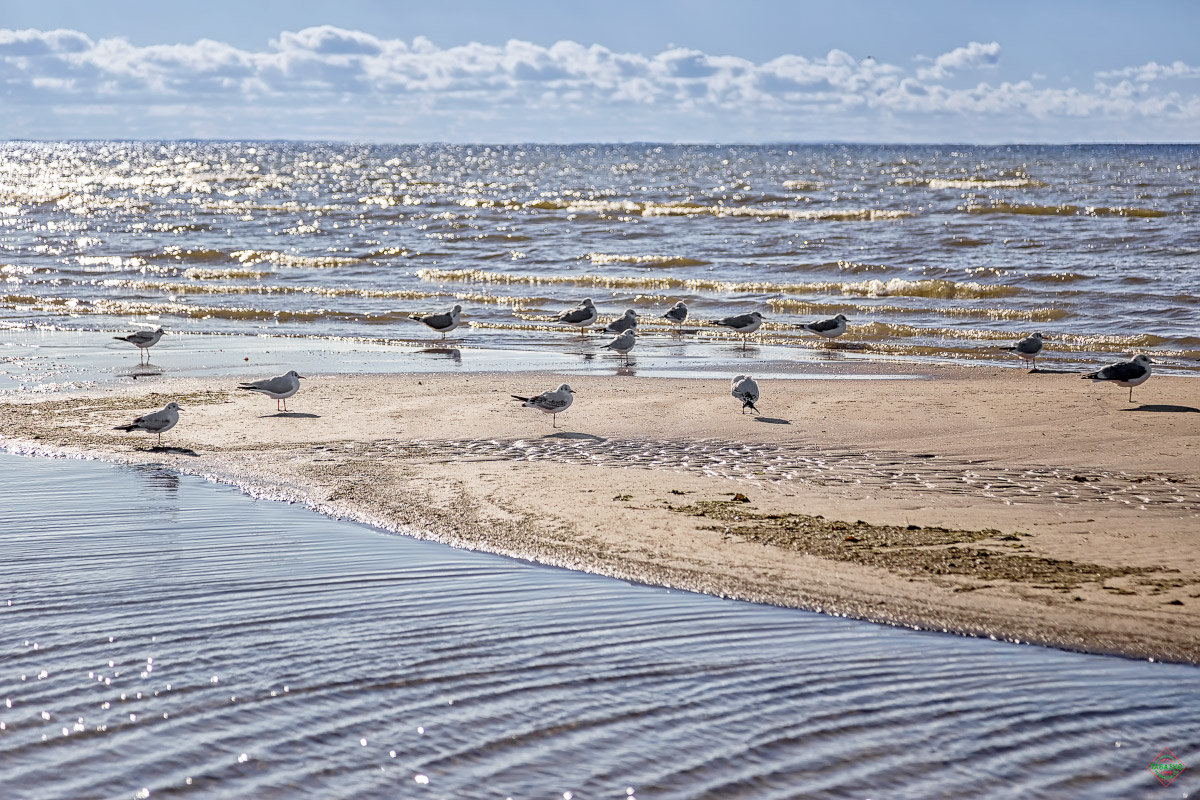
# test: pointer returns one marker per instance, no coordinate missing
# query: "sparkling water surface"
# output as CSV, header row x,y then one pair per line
x,y
164,637
934,253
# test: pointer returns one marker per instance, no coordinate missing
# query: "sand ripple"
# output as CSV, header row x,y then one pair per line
x,y
881,471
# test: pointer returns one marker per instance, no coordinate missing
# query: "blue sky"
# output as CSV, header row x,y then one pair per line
x,y
698,71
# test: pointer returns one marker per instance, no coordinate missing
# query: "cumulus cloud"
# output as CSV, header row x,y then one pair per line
x,y
974,56
1152,72
340,83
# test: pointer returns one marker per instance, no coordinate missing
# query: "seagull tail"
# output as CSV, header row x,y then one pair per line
x,y
125,428
1091,375
750,405
248,387
522,399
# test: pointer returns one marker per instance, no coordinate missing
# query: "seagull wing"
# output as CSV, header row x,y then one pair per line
x,y
437,321
1125,371
823,325
277,385
575,315
740,321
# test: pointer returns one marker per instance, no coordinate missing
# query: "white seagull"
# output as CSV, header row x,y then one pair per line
x,y
553,403
828,328
582,316
745,324
144,340
745,389
278,389
1126,373
442,323
1028,348
158,422
623,343
625,322
677,313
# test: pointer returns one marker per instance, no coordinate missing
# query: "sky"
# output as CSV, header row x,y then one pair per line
x,y
736,71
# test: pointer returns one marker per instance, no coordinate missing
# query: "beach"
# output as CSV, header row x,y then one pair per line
x,y
984,501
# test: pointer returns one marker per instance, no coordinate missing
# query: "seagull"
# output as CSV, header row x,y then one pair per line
x,y
278,389
623,343
158,422
677,314
828,328
442,323
143,340
553,403
625,322
745,324
745,389
582,316
1126,373
1028,348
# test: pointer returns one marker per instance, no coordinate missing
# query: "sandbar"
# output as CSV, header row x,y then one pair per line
x,y
1036,508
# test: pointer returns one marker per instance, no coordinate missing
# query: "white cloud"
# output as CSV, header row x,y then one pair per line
x,y
974,56
1153,72
326,79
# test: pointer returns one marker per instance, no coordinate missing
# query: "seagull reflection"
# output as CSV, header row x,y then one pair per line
x,y
146,370
157,478
453,353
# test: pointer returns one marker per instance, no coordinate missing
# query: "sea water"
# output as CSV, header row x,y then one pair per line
x,y
161,636
934,253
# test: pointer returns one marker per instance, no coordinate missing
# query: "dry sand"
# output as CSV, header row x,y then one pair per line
x,y
1031,507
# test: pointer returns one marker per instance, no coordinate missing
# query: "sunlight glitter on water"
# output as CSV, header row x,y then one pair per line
x,y
297,656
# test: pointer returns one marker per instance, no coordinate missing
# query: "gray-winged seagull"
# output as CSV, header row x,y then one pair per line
x,y
553,403
1127,373
278,389
156,422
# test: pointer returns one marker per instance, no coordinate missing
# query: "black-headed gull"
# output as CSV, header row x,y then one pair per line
x,y
1028,348
156,422
626,322
745,324
745,389
623,343
1127,373
442,323
143,340
278,389
553,403
581,317
828,328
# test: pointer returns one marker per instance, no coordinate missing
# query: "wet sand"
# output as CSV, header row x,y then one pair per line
x,y
1033,507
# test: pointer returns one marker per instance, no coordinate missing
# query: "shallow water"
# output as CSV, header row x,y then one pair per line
x,y
161,636
934,253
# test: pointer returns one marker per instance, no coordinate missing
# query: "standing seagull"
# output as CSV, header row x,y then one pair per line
x,y
1126,373
623,343
278,389
442,323
828,328
677,314
144,340
1028,348
582,316
625,322
745,324
745,389
158,422
553,403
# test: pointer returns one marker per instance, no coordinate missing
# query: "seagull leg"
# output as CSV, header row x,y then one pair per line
x,y
1131,394
554,420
